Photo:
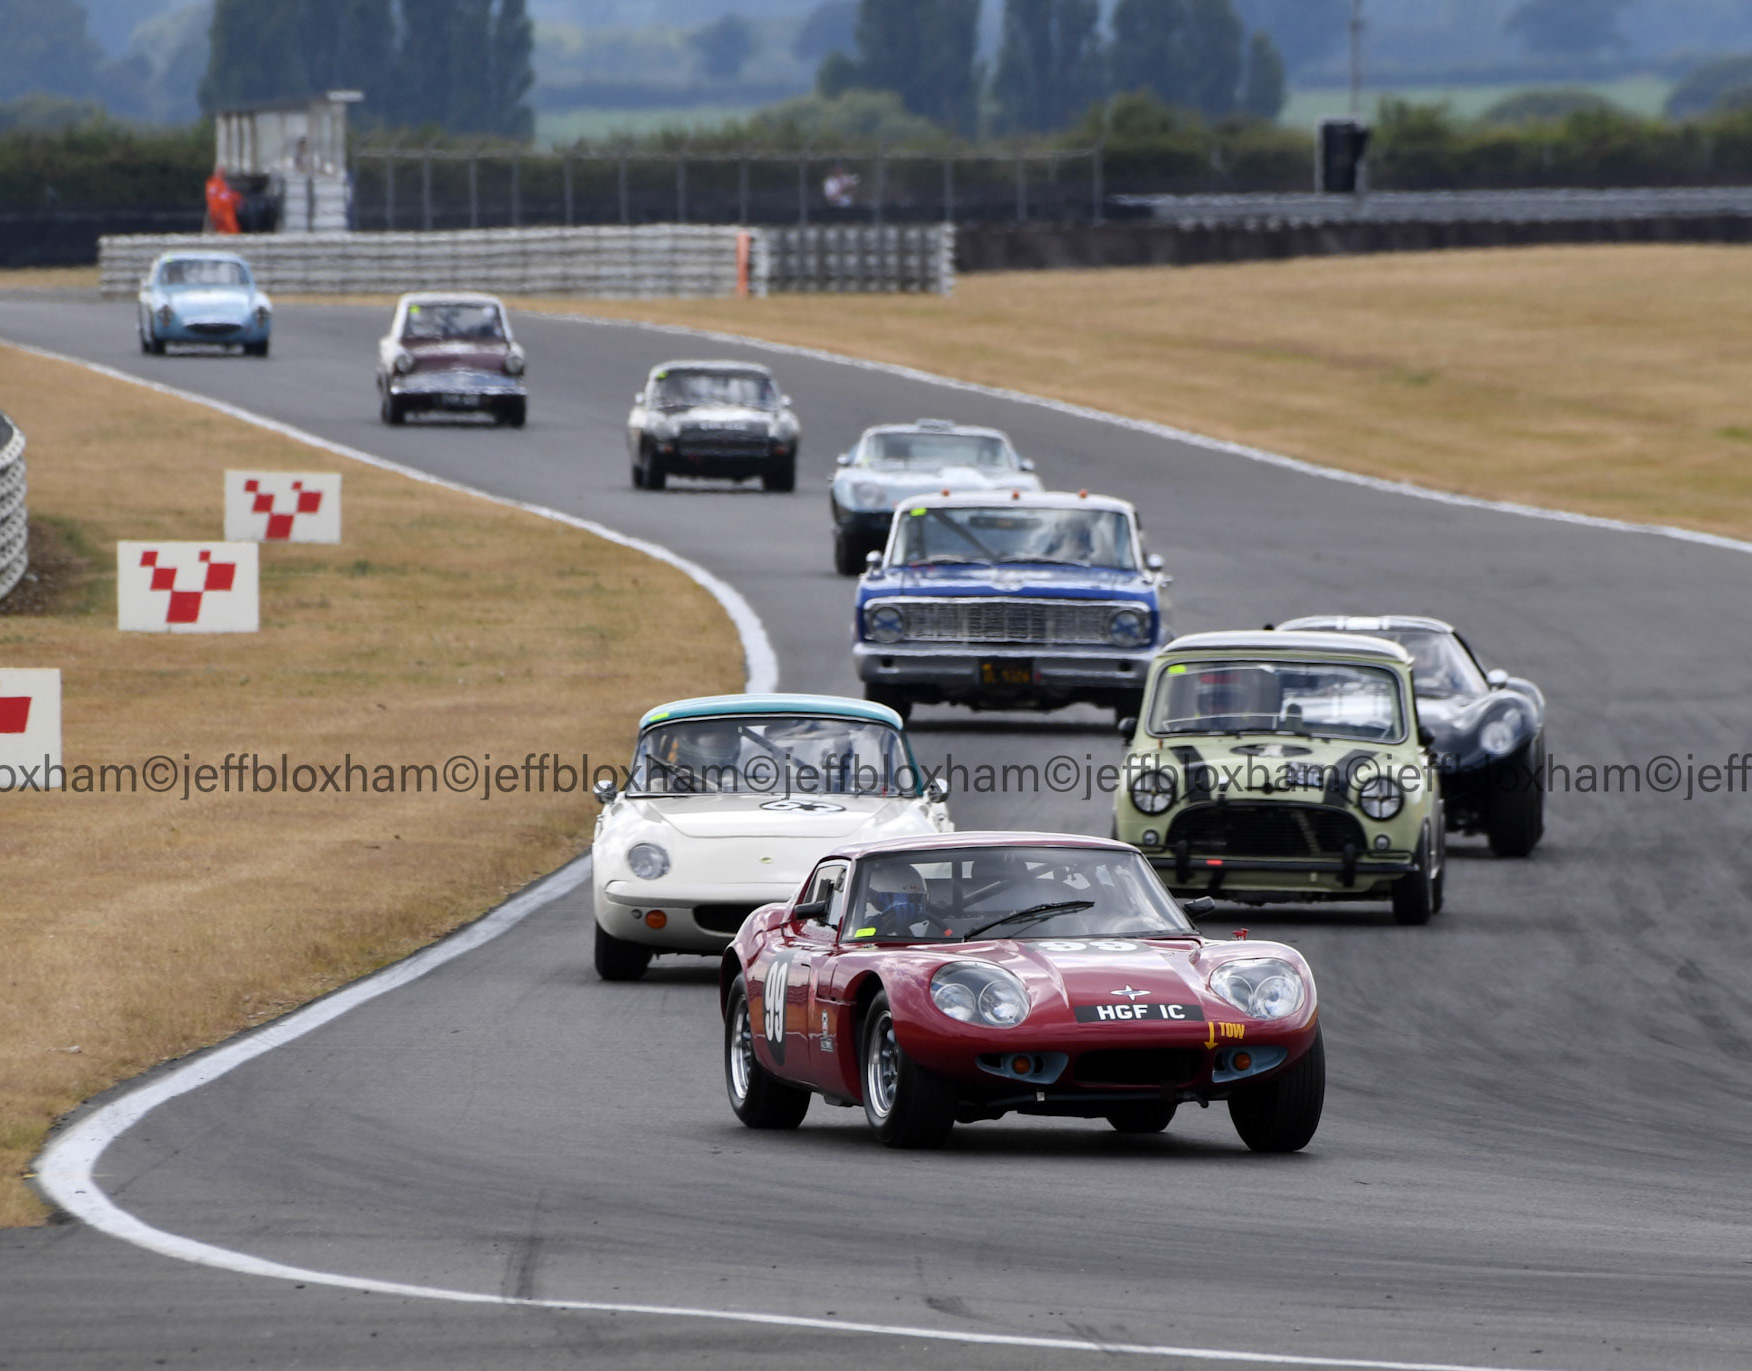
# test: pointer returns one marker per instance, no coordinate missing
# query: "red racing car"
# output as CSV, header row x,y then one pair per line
x,y
964,976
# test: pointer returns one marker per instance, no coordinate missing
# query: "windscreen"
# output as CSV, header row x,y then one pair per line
x,y
685,389
1005,533
935,451
773,755
201,271
1009,892
453,323
1321,699
1440,667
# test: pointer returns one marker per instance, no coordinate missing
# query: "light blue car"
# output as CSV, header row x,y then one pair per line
x,y
204,297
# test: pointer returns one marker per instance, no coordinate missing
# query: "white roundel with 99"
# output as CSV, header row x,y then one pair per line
x,y
1098,945
773,1002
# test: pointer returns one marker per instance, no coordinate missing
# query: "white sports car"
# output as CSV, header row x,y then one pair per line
x,y
730,802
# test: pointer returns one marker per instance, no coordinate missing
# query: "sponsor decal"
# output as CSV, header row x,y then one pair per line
x,y
187,587
865,933
1133,1013
283,506
1220,1030
1130,993
826,1036
772,1005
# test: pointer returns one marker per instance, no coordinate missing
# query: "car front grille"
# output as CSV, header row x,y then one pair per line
x,y
722,918
1139,1066
1266,830
211,330
696,442
1008,621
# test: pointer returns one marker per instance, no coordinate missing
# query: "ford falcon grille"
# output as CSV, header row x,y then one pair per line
x,y
1008,621
1266,830
722,918
1139,1066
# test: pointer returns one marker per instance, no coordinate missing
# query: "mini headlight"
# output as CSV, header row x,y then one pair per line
x,y
885,624
869,495
514,362
1381,797
1500,736
1129,628
404,362
1152,792
647,861
976,992
1261,987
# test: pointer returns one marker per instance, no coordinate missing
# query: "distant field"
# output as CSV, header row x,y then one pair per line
x,y
565,127
1611,380
1645,95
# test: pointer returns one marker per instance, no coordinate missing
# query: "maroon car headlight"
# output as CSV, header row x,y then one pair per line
x,y
1262,987
514,362
979,993
404,362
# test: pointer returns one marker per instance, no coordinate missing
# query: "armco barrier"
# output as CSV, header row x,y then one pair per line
x,y
613,263
14,520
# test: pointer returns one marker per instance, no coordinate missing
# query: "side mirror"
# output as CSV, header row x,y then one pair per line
x,y
844,459
872,560
785,401
1154,562
604,792
1497,678
813,912
1027,464
1127,726
1426,735
1204,904
936,790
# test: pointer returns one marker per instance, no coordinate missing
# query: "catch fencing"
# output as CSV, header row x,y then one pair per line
x,y
612,262
1446,207
14,518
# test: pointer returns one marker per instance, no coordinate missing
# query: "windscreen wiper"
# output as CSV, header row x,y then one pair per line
x,y
1033,914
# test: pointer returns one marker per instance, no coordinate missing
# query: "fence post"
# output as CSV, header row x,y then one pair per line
x,y
1021,190
680,190
803,190
474,192
742,191
389,190
1097,194
566,185
625,208
881,185
516,191
426,189
948,190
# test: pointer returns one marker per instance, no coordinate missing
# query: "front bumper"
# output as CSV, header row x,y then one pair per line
x,y
211,332
696,920
964,674
685,459
455,389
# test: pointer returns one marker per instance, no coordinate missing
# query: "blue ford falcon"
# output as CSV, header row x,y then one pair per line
x,y
203,297
1024,600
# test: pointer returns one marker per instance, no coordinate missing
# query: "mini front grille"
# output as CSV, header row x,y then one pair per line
x,y
722,918
215,330
1009,621
1266,830
1139,1066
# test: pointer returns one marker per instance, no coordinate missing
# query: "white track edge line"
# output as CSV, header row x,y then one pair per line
x,y
67,1168
761,662
1409,489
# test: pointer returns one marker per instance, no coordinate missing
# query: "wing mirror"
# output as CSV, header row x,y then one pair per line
x,y
1204,904
936,790
1026,463
604,792
872,560
1154,562
815,911
844,459
785,401
1128,726
1497,678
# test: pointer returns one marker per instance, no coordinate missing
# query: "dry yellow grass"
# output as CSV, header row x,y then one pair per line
x,y
48,278
1613,380
137,927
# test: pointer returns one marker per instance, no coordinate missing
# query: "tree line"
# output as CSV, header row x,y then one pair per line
x,y
1054,60
459,65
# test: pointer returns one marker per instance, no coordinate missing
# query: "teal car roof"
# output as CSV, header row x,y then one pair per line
x,y
710,706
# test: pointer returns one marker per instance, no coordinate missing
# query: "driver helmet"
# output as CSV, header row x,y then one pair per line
x,y
896,894
708,749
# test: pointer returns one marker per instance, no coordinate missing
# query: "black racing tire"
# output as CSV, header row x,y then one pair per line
x,y
848,557
638,476
760,1099
656,478
781,479
1280,1114
907,1106
619,960
513,413
896,699
1141,1116
256,349
392,409
1414,895
155,345
1514,814
145,342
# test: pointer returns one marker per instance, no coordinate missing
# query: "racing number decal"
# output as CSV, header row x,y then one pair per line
x,y
773,1006
1099,945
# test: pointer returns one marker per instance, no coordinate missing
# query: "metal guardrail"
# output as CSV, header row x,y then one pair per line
x,y
1447,207
611,262
14,518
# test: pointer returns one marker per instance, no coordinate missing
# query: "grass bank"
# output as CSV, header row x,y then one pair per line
x,y
137,927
